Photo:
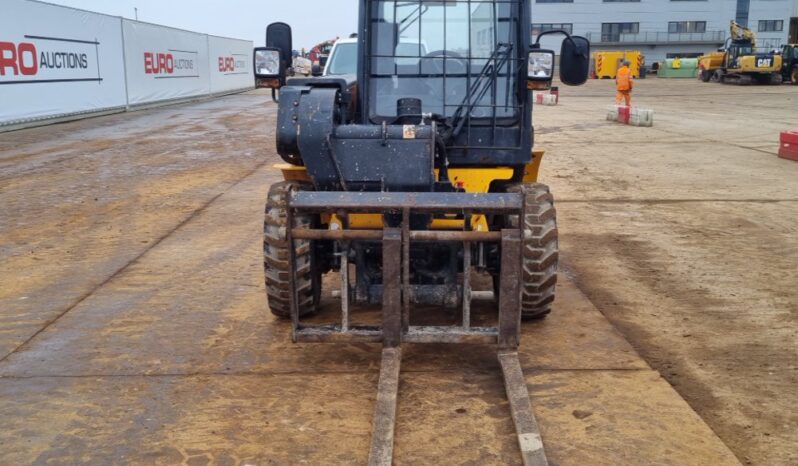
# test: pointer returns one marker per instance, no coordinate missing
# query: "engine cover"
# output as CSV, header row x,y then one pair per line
x,y
348,157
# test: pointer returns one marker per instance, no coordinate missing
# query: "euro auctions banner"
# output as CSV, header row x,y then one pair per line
x,y
57,61
230,64
164,63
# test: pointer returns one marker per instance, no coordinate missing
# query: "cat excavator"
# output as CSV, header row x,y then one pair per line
x,y
739,63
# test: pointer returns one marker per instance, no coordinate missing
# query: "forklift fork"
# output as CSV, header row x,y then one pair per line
x,y
396,328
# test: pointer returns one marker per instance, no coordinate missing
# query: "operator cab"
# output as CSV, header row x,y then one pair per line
x,y
464,68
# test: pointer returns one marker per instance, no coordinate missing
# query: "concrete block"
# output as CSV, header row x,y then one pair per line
x,y
641,117
633,116
548,99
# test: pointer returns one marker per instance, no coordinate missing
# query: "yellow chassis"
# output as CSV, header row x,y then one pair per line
x,y
472,180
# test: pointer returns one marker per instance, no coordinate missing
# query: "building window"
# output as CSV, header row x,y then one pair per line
x,y
743,8
537,28
675,27
554,1
771,25
611,32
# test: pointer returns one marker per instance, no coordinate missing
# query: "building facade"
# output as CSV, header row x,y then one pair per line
x,y
666,28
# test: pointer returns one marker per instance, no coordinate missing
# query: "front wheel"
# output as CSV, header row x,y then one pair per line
x,y
794,76
705,76
540,249
276,252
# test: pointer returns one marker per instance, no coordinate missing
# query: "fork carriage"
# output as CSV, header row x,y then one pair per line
x,y
397,293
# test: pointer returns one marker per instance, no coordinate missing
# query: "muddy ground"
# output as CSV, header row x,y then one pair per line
x,y
685,236
133,328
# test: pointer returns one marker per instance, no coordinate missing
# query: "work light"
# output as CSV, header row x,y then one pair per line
x,y
541,65
267,63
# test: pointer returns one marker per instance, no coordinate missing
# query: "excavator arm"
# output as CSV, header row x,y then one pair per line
x,y
739,33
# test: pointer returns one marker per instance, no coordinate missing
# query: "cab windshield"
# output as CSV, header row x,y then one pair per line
x,y
437,50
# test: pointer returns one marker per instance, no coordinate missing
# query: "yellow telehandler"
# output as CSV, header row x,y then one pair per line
x,y
408,177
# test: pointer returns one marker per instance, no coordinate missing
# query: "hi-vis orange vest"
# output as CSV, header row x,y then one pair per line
x,y
624,79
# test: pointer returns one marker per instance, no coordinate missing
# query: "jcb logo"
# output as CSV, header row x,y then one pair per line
x,y
764,62
18,59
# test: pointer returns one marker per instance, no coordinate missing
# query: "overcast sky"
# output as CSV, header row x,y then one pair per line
x,y
313,21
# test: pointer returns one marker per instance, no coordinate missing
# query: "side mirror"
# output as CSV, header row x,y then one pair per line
x,y
316,71
574,61
279,36
273,61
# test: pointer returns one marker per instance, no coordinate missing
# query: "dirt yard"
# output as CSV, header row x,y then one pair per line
x,y
134,330
685,236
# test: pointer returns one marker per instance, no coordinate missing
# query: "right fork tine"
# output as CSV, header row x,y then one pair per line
x,y
526,426
381,452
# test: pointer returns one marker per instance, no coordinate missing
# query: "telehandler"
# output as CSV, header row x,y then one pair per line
x,y
789,63
411,175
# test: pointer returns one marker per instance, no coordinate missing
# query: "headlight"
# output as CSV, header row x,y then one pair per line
x,y
541,65
267,63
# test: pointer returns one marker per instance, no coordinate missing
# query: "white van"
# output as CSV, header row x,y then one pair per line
x,y
343,56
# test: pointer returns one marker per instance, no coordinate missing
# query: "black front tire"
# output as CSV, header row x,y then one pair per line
x,y
275,255
540,247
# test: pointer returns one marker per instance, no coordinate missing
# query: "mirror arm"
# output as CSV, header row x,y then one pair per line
x,y
568,37
536,45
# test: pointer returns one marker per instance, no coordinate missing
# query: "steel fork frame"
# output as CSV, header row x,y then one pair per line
x,y
396,328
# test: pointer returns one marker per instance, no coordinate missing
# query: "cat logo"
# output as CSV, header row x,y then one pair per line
x,y
764,62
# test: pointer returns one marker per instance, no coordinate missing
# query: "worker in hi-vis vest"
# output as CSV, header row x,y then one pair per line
x,y
624,85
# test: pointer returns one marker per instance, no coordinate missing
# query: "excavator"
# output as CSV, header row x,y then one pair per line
x,y
408,179
739,63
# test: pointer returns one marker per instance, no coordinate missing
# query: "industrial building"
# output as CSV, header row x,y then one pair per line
x,y
666,28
